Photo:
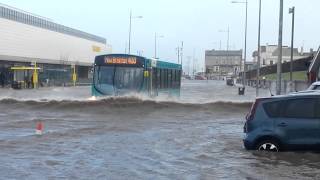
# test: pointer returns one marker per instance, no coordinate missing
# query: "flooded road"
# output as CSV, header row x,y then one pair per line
x,y
195,137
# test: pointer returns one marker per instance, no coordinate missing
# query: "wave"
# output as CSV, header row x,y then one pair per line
x,y
119,102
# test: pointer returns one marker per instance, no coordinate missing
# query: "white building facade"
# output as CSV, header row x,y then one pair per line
x,y
27,38
269,55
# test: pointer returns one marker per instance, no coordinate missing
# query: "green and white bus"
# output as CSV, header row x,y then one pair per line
x,y
121,74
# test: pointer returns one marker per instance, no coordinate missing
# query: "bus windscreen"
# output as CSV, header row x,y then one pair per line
x,y
116,79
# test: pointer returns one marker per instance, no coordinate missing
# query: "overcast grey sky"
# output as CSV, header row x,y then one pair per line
x,y
197,23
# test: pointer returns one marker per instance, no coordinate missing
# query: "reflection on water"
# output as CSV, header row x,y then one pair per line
x,y
195,137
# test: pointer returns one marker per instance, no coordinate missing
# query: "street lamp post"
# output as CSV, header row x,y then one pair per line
x,y
228,36
259,51
245,39
278,85
291,11
178,53
130,22
155,44
217,45
181,58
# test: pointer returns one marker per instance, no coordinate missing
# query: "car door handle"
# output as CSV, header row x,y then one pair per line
x,y
282,124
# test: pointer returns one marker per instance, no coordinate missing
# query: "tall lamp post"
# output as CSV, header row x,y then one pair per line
x,y
132,17
245,39
291,11
259,52
278,85
155,43
228,36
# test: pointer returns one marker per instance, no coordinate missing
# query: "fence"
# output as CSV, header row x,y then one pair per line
x,y
286,86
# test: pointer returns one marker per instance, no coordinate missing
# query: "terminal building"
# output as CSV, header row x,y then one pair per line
x,y
222,63
58,51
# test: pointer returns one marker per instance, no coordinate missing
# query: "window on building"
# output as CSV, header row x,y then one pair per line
x,y
9,14
23,17
5,12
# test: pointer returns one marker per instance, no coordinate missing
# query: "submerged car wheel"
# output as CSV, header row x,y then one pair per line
x,y
268,145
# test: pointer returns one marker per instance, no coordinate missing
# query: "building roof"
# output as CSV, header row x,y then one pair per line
x,y
286,51
224,53
41,60
21,16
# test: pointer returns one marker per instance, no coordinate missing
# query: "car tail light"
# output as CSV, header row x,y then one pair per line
x,y
253,109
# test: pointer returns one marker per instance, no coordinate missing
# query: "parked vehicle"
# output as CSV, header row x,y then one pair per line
x,y
315,86
199,77
281,123
230,81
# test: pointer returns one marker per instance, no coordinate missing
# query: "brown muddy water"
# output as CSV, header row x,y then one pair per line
x,y
198,136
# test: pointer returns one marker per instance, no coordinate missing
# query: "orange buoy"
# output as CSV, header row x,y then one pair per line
x,y
39,128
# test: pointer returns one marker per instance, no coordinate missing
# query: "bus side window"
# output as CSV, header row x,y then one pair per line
x,y
163,75
178,78
158,78
173,78
154,78
167,78
162,78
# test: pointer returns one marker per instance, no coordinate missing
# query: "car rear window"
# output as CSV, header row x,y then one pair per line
x,y
300,108
272,108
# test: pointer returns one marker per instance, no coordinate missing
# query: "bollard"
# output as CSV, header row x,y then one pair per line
x,y
241,90
39,128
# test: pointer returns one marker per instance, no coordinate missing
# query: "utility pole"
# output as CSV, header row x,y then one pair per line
x,y
278,85
259,52
178,52
130,31
245,41
125,49
228,37
193,61
135,17
155,45
245,45
228,31
181,53
291,11
189,64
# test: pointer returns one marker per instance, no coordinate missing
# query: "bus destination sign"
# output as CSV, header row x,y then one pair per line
x,y
120,60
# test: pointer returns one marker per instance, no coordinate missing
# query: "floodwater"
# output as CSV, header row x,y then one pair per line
x,y
198,136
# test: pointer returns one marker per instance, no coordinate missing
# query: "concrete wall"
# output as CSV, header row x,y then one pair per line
x,y
22,40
